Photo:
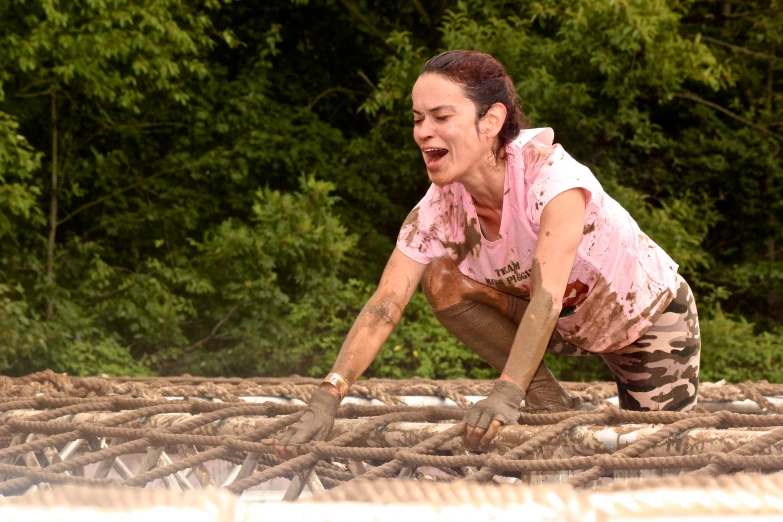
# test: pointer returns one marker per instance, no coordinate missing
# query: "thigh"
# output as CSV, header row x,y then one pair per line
x,y
560,346
445,286
453,297
660,371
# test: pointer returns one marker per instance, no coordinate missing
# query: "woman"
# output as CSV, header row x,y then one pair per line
x,y
519,250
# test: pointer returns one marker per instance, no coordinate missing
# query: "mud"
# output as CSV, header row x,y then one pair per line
x,y
471,244
575,294
411,221
481,328
535,331
609,309
382,310
486,321
536,152
546,395
413,218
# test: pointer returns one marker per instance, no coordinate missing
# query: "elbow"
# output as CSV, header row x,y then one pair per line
x,y
383,310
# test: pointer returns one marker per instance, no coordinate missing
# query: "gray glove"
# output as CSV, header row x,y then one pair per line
x,y
501,404
317,421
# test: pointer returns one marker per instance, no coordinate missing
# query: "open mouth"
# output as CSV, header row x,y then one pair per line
x,y
433,156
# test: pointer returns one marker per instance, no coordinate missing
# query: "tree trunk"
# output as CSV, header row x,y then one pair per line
x,y
52,212
773,299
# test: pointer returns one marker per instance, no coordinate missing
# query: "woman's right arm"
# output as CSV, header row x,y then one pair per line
x,y
379,316
372,327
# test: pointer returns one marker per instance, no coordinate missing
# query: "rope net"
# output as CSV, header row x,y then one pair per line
x,y
188,433
385,391
736,497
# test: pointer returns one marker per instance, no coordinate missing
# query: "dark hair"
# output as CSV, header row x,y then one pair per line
x,y
484,82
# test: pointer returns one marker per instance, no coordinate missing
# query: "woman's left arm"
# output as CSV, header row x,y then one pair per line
x,y
562,224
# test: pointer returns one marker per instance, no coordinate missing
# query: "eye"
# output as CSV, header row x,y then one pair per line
x,y
416,122
442,118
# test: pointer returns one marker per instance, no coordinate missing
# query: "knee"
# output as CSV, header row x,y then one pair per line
x,y
440,283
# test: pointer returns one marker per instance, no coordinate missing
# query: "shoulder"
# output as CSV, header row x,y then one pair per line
x,y
546,170
534,150
436,203
544,164
420,234
529,147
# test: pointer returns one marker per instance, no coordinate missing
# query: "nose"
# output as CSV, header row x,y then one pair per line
x,y
423,131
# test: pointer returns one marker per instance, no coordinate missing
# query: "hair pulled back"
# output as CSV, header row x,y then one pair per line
x,y
484,82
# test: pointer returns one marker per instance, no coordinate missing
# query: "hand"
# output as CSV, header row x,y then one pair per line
x,y
486,416
315,424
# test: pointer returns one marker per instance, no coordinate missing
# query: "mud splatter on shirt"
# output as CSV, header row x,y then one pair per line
x,y
621,280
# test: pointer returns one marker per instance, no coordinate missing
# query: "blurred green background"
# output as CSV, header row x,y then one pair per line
x,y
214,187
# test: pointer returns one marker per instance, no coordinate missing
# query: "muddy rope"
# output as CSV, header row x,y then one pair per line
x,y
386,391
108,428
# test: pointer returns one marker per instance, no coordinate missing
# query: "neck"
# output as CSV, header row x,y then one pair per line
x,y
485,183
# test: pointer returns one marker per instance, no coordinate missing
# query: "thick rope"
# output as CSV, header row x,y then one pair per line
x,y
137,417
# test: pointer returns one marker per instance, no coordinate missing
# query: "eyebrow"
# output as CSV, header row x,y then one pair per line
x,y
436,109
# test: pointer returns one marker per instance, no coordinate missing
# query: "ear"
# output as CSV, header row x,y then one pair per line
x,y
492,122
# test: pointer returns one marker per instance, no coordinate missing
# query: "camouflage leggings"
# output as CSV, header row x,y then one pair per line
x,y
660,371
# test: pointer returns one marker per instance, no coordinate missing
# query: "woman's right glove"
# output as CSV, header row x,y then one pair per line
x,y
315,424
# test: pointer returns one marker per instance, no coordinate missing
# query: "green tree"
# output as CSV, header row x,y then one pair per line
x,y
215,187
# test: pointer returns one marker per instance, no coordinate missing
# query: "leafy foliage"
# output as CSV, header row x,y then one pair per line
x,y
214,188
419,345
18,163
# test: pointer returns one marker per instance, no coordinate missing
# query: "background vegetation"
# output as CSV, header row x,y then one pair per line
x,y
213,187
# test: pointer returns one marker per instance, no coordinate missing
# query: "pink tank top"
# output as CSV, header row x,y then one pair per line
x,y
621,280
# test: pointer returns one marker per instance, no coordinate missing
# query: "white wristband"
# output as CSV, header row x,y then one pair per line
x,y
339,382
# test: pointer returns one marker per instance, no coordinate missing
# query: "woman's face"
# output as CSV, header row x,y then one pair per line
x,y
444,127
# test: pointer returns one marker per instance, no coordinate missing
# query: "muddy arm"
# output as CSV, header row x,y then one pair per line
x,y
561,228
562,223
379,317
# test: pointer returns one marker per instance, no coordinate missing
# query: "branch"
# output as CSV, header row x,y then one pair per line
x,y
213,334
366,79
111,195
146,125
752,13
422,12
374,30
329,91
36,83
116,292
126,189
698,99
47,92
108,128
723,17
741,49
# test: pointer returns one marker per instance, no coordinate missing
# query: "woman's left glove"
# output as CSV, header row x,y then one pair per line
x,y
315,424
487,415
